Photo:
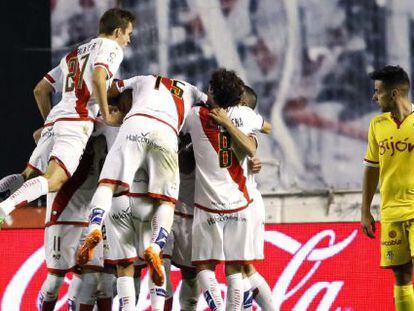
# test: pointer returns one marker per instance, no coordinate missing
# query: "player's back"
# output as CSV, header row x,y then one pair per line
x,y
221,170
161,98
77,70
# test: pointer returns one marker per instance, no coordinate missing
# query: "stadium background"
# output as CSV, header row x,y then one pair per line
x,y
308,61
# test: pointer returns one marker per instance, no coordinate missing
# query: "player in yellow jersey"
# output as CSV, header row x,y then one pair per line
x,y
390,160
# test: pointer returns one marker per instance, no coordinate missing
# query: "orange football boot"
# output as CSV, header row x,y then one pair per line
x,y
154,263
85,251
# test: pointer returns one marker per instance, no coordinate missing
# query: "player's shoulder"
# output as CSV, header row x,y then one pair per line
x,y
381,119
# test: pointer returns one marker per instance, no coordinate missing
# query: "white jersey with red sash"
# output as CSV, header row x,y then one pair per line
x,y
77,69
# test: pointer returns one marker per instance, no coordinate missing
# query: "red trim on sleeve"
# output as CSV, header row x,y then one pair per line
x,y
49,78
106,67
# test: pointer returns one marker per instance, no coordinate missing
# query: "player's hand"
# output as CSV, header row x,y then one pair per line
x,y
115,117
220,116
37,134
255,165
368,225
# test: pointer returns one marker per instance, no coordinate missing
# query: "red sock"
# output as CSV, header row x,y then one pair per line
x,y
104,304
168,304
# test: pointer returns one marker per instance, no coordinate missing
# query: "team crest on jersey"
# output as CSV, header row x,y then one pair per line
x,y
392,234
111,57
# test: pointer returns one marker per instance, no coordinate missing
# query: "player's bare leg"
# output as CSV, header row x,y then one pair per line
x,y
99,206
125,286
403,289
235,287
34,188
161,226
209,285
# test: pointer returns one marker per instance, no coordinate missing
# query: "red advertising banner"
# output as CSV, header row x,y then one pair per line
x,y
329,266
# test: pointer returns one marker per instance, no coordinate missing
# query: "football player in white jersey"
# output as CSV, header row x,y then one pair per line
x,y
147,140
254,282
87,71
223,136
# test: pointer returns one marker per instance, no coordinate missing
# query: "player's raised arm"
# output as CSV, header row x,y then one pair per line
x,y
244,143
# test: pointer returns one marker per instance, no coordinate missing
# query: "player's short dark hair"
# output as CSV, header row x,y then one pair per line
x,y
226,87
391,76
113,19
251,97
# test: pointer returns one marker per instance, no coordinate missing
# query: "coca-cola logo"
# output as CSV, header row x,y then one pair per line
x,y
305,270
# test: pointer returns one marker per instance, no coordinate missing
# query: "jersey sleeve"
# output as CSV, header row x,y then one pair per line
x,y
186,128
130,83
198,96
109,57
372,153
55,78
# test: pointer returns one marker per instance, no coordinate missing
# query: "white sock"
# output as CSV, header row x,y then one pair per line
x,y
189,293
157,294
106,285
137,286
87,295
73,291
161,226
29,191
99,207
247,295
262,293
126,293
50,289
10,184
235,289
211,290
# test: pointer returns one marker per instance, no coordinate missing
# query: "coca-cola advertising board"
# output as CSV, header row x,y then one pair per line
x,y
330,266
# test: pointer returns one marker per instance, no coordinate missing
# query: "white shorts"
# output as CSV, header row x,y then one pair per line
x,y
148,144
127,233
222,237
61,244
64,142
179,243
257,214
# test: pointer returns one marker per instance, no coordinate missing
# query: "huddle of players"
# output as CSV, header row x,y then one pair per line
x,y
139,181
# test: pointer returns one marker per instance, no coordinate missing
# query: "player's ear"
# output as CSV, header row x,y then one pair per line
x,y
117,32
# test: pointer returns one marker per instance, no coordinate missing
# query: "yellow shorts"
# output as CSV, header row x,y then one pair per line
x,y
397,243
